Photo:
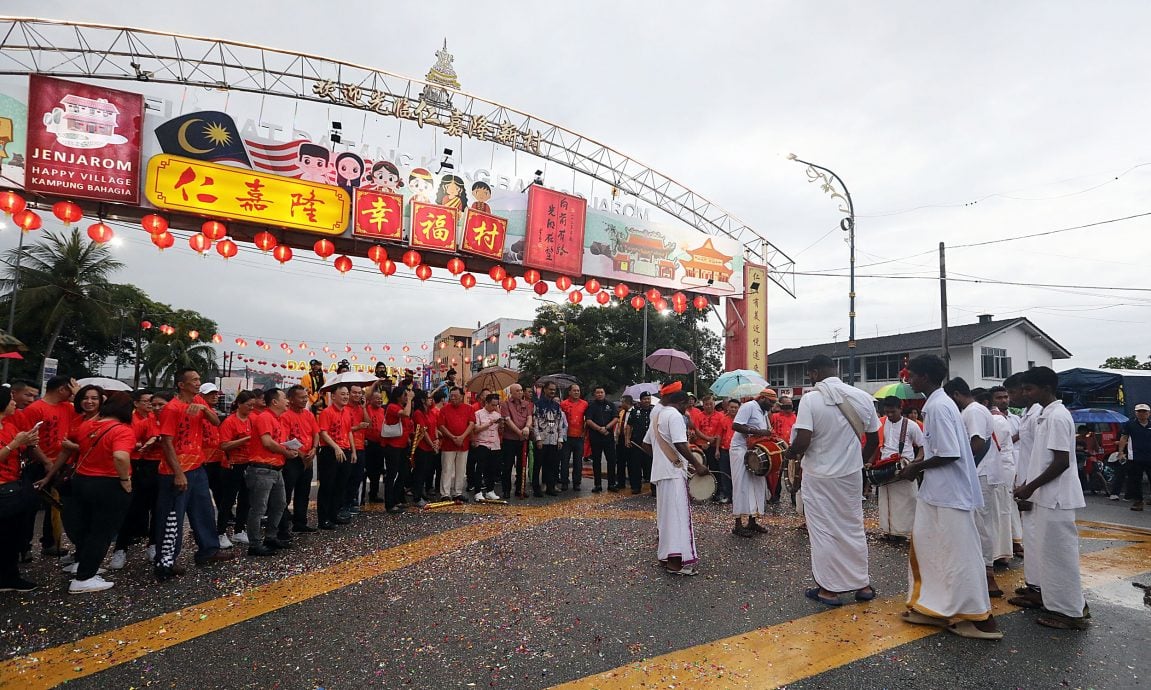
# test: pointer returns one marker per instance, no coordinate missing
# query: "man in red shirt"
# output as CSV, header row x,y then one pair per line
x,y
183,480
55,414
456,422
335,458
574,408
373,444
396,454
781,424
359,422
264,477
710,426
300,424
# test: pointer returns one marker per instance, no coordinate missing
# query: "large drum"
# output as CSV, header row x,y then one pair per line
x,y
765,459
701,487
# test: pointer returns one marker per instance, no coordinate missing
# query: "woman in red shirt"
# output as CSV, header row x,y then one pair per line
x,y
12,526
397,452
424,425
235,433
101,488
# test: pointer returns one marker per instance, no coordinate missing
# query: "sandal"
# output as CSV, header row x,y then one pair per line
x,y
814,595
742,532
917,618
1059,621
995,593
685,571
758,528
863,595
1026,602
968,629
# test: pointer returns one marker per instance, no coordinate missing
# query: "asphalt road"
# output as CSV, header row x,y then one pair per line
x,y
546,592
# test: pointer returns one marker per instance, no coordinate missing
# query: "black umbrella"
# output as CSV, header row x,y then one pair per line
x,y
560,380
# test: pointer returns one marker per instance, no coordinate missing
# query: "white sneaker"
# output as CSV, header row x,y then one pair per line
x,y
67,560
225,543
1114,497
150,552
75,568
240,537
118,560
480,496
491,496
92,584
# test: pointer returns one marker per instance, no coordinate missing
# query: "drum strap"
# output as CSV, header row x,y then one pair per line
x,y
902,436
668,449
852,416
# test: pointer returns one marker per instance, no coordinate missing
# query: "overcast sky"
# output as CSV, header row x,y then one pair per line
x,y
964,124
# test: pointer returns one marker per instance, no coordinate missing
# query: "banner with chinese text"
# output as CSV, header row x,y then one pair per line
x,y
756,304
434,227
484,234
83,141
379,215
554,233
225,191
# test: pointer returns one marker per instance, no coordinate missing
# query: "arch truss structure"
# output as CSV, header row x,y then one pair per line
x,y
95,51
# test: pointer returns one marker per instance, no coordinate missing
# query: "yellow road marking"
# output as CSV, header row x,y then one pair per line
x,y
797,649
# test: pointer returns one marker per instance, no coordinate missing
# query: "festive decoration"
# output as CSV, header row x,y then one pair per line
x,y
412,258
377,253
591,286
456,266
700,303
282,253
227,248
678,298
679,307
100,233
145,325
343,264
637,302
653,295
11,202
217,338
575,297
602,297
659,304
27,220
563,283
423,271
509,283
214,230
154,224
541,288
531,276
324,249
497,273
265,241
163,240
468,281
199,243
622,291
67,211
388,267
193,334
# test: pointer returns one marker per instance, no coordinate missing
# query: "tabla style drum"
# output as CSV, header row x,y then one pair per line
x,y
885,471
701,487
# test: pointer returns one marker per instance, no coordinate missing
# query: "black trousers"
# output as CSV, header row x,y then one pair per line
x,y
233,493
488,464
373,467
723,479
297,492
333,478
547,462
475,471
513,455
620,465
637,460
605,446
355,479
427,462
140,522
1135,473
397,475
93,515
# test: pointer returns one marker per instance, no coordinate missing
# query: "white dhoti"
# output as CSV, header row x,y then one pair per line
x,y
897,508
748,492
673,520
1057,551
1016,522
994,522
834,515
1032,567
946,577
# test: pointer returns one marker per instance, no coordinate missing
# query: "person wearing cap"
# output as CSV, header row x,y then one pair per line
x,y
748,492
666,441
313,382
828,428
638,462
1135,444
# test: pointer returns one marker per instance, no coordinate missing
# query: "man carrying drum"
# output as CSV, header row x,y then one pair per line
x,y
900,442
749,491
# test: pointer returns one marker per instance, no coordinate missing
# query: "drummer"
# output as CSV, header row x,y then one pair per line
x,y
748,492
898,435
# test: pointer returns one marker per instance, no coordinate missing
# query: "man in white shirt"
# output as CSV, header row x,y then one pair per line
x,y
749,491
828,428
1024,440
977,420
1001,475
902,440
1001,400
1054,489
945,588
666,441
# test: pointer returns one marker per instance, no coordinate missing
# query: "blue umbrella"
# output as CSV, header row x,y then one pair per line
x,y
728,381
637,389
1097,415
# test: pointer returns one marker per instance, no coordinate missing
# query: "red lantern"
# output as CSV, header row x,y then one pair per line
x,y
412,258
67,211
468,281
324,249
154,224
265,240
659,304
563,283
26,220
602,297
377,253
199,243
531,276
259,343
541,288
217,338
214,230
509,284
575,297
11,202
700,303
163,240
592,286
679,298
100,233
456,266
226,248
637,302
679,307
621,291
145,325
343,264
653,295
193,334
423,271
282,253
388,267
497,273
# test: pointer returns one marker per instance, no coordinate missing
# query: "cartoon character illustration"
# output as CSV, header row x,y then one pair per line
x,y
313,162
420,182
349,169
385,177
451,192
481,192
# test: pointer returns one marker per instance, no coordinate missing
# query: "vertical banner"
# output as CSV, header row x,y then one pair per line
x,y
555,230
484,234
83,141
379,215
434,227
755,301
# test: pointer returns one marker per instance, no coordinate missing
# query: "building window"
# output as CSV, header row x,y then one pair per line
x,y
996,363
776,375
883,367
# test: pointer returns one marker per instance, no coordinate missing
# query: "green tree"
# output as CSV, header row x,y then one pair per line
x,y
164,355
1128,362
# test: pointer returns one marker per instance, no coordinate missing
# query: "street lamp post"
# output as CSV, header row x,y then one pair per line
x,y
563,329
827,181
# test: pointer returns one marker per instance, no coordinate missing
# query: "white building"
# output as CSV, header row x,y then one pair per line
x,y
982,353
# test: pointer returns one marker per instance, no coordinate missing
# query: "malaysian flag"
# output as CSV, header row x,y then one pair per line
x,y
276,157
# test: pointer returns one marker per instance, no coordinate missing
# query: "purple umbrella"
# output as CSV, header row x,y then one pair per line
x,y
670,361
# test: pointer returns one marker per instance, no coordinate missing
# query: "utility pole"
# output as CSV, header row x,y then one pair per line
x,y
139,348
119,345
943,308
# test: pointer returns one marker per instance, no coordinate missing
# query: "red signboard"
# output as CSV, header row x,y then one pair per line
x,y
484,234
83,141
379,215
434,227
554,233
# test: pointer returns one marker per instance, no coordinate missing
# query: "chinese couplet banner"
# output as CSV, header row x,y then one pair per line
x,y
83,141
484,234
434,227
379,215
554,233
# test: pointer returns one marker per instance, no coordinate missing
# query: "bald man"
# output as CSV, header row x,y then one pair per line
x,y
517,410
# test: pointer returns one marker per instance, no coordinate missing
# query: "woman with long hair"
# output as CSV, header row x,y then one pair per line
x,y
451,192
235,432
19,498
427,450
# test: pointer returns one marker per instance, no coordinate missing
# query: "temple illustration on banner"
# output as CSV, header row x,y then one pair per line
x,y
638,251
84,123
442,74
706,264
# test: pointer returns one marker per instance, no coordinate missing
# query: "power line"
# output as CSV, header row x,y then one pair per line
x,y
989,281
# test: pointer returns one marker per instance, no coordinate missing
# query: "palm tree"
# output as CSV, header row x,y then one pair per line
x,y
167,355
63,278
